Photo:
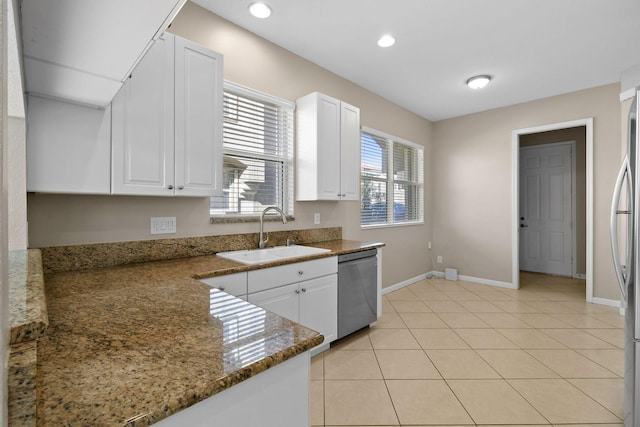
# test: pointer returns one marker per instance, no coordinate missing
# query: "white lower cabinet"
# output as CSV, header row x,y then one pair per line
x,y
305,292
312,303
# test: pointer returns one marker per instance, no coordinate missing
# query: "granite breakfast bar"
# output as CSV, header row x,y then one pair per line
x,y
134,344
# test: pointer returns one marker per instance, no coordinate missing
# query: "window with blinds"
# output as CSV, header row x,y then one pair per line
x,y
391,180
258,153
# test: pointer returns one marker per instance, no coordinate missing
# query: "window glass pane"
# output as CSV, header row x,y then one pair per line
x,y
403,163
250,185
374,156
392,193
373,182
406,206
258,151
373,204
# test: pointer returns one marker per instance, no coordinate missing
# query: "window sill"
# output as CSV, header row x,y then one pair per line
x,y
237,219
398,224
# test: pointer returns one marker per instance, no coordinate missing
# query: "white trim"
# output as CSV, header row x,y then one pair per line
x,y
515,151
605,301
385,135
627,94
256,94
479,280
404,283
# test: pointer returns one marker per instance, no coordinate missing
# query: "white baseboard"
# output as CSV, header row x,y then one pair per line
x,y
477,280
404,283
605,301
594,300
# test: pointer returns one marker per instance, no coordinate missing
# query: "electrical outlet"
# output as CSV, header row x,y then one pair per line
x,y
316,218
163,225
439,259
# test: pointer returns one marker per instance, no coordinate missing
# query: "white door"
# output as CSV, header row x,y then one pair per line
x,y
319,306
282,301
546,209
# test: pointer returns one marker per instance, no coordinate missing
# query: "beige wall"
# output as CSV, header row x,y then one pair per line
x,y
471,173
577,134
261,65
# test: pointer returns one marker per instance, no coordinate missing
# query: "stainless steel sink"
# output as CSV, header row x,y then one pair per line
x,y
262,256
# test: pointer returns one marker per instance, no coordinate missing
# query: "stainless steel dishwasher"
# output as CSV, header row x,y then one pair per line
x,y
357,291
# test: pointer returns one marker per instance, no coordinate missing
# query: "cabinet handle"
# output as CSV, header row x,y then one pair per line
x,y
221,288
304,290
297,291
300,272
170,187
181,187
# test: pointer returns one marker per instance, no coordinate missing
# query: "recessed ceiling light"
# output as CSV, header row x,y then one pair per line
x,y
386,41
260,10
478,82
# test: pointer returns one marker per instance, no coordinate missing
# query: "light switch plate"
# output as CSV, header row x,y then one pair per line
x,y
316,218
163,225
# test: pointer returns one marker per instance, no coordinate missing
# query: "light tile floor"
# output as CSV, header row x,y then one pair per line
x,y
460,353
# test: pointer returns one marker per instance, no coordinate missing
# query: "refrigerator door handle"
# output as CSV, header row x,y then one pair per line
x,y
622,275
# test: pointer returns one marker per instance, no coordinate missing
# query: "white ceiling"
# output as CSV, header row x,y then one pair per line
x,y
533,48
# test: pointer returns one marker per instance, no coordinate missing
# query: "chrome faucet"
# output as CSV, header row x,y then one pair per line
x,y
262,243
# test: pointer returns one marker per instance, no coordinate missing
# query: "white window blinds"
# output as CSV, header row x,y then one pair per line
x,y
258,153
392,180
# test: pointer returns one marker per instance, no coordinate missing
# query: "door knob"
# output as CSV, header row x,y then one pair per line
x,y
521,218
523,225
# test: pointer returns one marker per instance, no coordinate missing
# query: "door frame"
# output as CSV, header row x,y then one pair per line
x,y
515,196
574,243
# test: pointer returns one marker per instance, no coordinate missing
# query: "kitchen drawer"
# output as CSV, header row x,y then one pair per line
x,y
234,284
269,278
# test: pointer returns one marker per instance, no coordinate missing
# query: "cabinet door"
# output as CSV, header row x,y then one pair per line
x,y
282,301
142,128
319,305
198,120
349,152
328,148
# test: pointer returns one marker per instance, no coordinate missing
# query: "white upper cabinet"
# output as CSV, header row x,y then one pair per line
x,y
167,123
198,119
328,149
68,147
82,51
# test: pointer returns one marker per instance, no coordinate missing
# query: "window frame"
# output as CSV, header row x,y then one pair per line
x,y
390,180
286,158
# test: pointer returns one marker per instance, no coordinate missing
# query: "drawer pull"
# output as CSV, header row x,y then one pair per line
x,y
304,290
297,291
300,272
221,288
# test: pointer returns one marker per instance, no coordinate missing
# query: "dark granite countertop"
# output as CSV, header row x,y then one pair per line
x,y
132,344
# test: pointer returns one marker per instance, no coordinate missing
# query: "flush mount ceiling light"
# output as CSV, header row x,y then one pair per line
x,y
478,82
386,40
260,10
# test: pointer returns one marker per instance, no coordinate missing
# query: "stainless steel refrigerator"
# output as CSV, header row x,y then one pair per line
x,y
625,237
